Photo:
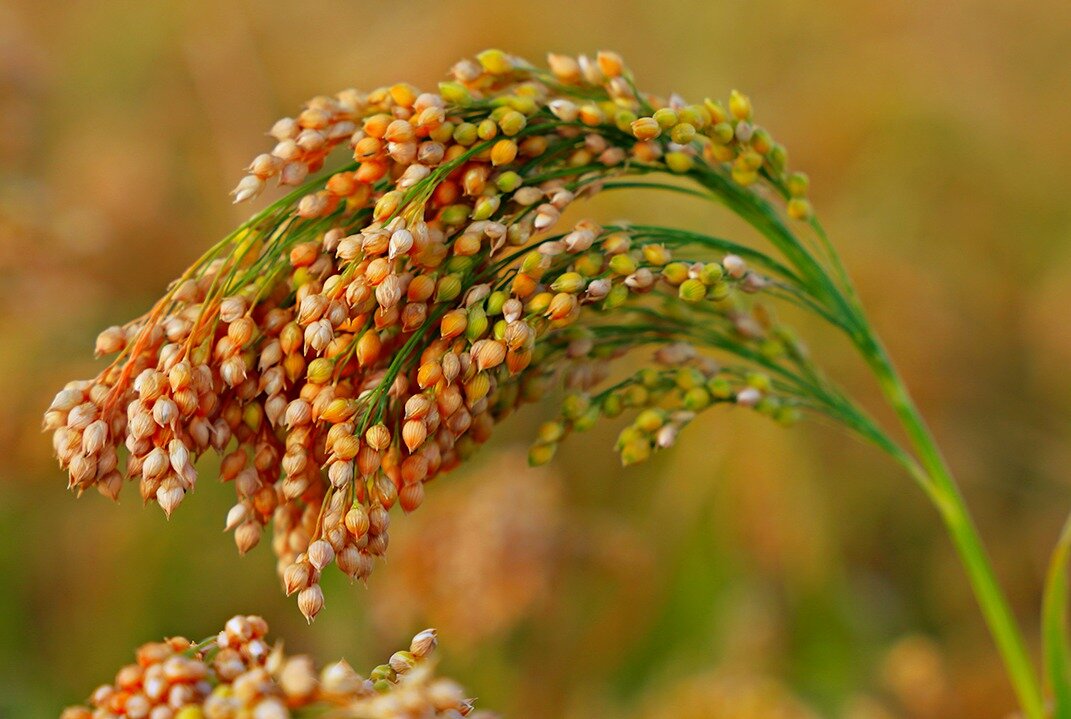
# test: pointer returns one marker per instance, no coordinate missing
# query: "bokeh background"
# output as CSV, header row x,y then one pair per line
x,y
752,572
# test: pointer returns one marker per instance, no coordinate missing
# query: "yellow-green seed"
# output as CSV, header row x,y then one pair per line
x,y
695,115
679,162
798,184
631,433
743,176
799,209
650,420
580,158
692,290
465,134
635,452
443,133
719,388
613,406
675,273
454,215
767,406
388,204
587,420
739,105
689,377
512,123
570,282
541,453
523,104
716,110
616,297
575,405
656,255
508,181
551,432
649,377
495,62
616,243
636,396
320,370
682,133
720,291
623,119
460,264
723,132
761,141
301,277
666,117
711,273
589,264
449,288
477,324
495,301
487,129
759,381
772,349
486,207
454,93
787,416
750,159
539,304
499,329
696,399
623,264
777,157
532,264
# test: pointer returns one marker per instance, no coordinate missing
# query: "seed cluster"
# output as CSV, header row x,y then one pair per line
x,y
239,674
366,333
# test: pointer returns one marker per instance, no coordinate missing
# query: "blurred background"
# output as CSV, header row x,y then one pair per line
x,y
751,572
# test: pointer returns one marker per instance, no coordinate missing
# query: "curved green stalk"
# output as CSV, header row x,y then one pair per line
x,y
832,286
1054,626
953,510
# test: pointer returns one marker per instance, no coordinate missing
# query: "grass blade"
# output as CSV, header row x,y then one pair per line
x,y
1054,626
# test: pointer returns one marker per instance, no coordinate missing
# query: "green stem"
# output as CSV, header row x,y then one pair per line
x,y
1054,626
953,510
930,470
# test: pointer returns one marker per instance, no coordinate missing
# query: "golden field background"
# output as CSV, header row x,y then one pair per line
x,y
750,573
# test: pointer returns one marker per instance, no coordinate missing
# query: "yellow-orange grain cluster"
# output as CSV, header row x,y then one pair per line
x,y
239,674
363,335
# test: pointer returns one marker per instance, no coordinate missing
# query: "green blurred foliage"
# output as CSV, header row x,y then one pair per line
x,y
750,572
